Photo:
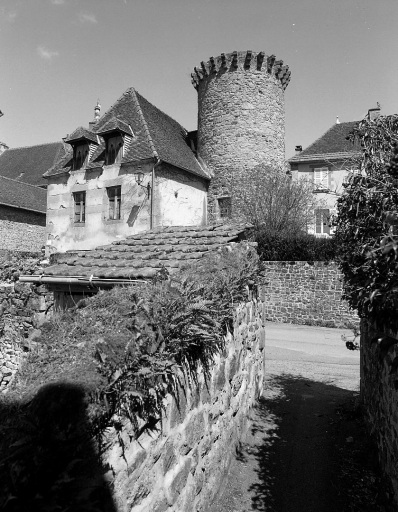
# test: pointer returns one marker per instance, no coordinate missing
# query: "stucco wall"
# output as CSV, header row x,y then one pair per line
x,y
241,123
182,467
308,293
379,393
21,230
179,199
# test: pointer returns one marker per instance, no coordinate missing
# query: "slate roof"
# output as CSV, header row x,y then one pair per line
x,y
142,255
32,161
331,145
156,135
22,195
82,133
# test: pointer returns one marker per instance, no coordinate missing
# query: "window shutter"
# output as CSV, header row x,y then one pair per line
x,y
317,177
326,221
318,221
325,177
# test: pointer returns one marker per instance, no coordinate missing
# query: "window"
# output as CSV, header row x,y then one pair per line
x,y
80,155
321,178
80,206
224,207
114,200
114,150
322,221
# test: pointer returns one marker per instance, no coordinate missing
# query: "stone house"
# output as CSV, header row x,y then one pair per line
x,y
22,216
327,163
135,168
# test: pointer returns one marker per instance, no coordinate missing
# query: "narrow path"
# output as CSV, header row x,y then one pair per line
x,y
305,443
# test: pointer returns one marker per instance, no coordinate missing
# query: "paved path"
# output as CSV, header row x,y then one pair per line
x,y
289,461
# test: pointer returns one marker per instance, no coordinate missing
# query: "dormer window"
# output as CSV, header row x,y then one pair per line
x,y
114,150
80,156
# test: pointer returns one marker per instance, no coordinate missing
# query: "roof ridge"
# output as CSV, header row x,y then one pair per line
x,y
145,124
22,183
34,146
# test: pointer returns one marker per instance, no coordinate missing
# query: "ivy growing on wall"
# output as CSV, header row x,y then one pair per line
x,y
365,225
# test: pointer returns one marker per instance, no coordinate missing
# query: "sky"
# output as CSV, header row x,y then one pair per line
x,y
57,57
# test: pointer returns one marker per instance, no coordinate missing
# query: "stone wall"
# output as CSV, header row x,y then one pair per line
x,y
241,120
181,467
22,309
308,293
21,230
379,394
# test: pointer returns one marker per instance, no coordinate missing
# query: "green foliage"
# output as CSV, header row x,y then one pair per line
x,y
293,247
367,213
126,347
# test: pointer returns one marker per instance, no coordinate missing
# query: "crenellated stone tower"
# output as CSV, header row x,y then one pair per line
x,y
241,122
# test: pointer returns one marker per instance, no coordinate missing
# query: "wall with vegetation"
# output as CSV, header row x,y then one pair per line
x,y
22,308
379,393
183,466
308,293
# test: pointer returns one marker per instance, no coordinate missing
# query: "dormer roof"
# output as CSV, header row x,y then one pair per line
x,y
82,134
154,135
115,125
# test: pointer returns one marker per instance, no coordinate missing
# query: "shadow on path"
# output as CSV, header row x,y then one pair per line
x,y
47,458
298,459
307,451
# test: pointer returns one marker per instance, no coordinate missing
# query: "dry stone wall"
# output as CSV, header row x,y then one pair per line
x,y
181,467
22,309
379,394
308,293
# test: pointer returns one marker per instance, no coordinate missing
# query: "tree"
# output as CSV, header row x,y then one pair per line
x,y
272,199
367,210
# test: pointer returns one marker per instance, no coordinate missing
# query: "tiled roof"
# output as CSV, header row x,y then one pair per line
x,y
142,255
115,124
28,164
156,135
22,195
82,133
331,143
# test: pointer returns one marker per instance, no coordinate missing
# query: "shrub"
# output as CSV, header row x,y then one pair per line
x,y
278,247
367,211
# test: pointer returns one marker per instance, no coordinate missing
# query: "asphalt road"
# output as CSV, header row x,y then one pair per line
x,y
289,460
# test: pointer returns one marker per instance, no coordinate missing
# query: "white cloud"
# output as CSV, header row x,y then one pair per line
x,y
87,18
45,53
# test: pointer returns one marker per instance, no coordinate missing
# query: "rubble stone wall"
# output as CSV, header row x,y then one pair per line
x,y
379,394
23,307
181,467
21,230
309,293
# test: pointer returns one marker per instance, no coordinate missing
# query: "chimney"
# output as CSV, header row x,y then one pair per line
x,y
3,147
97,110
298,149
374,113
337,120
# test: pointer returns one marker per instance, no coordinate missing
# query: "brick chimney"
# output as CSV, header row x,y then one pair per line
x,y
3,147
298,149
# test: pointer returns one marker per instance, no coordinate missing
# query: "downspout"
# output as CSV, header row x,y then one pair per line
x,y
153,192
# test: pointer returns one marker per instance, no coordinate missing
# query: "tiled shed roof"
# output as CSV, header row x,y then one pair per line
x,y
156,135
82,133
332,144
142,255
22,195
28,164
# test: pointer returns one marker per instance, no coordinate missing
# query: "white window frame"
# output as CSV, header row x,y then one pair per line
x,y
321,178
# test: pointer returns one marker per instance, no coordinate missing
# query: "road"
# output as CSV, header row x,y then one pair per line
x,y
289,460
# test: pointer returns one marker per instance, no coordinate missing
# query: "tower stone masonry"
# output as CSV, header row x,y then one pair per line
x,y
241,122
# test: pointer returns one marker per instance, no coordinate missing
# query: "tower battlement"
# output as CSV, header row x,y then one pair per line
x,y
245,60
